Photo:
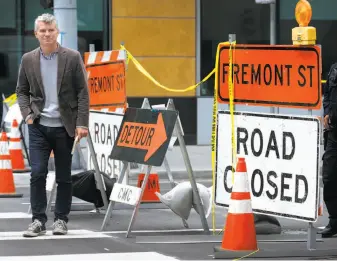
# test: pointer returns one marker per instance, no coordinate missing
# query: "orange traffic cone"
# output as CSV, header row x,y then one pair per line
x,y
240,234
15,148
151,187
7,186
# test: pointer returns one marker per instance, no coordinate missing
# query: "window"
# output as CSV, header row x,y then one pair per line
x,y
219,18
10,45
17,33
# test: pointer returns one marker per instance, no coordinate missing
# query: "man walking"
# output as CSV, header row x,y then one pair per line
x,y
53,97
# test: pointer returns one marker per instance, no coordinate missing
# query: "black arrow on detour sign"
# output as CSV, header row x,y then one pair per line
x,y
143,136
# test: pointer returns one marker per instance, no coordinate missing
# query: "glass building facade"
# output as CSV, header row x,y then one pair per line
x,y
17,33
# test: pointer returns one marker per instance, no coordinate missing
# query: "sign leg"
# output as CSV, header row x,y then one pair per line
x,y
311,241
98,176
135,210
112,203
192,180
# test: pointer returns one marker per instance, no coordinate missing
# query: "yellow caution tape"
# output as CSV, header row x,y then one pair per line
x,y
11,99
215,116
214,125
149,76
214,132
231,108
250,254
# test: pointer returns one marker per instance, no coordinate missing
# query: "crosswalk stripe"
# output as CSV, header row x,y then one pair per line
x,y
4,236
94,257
14,215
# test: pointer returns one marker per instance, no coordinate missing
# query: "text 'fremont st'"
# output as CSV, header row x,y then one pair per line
x,y
268,75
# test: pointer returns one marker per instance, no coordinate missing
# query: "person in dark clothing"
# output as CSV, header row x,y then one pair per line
x,y
330,154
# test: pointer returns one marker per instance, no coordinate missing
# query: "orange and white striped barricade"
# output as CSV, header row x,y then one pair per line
x,y
106,79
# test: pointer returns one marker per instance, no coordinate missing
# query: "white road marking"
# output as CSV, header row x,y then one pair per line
x,y
7,215
15,235
93,257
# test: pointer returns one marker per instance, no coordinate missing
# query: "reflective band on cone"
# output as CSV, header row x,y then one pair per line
x,y
240,207
5,164
14,145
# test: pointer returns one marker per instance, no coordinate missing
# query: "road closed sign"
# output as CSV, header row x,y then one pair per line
x,y
271,75
106,79
104,127
282,157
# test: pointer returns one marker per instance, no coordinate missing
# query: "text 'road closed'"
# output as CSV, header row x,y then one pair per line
x,y
282,155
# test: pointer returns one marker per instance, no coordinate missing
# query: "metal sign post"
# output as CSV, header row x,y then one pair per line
x,y
312,231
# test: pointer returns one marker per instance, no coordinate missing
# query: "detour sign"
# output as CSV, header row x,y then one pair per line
x,y
271,75
144,136
106,79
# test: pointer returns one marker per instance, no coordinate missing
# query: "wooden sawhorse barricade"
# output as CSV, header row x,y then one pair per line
x,y
143,138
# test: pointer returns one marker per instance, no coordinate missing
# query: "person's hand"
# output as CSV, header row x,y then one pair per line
x,y
326,121
29,121
81,132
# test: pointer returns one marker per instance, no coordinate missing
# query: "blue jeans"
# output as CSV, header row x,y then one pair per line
x,y
42,140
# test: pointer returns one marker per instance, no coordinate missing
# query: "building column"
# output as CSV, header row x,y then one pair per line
x,y
65,12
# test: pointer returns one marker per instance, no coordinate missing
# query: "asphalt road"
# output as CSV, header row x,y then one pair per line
x,y
157,234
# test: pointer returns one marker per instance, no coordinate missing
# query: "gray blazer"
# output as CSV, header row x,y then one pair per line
x,y
72,88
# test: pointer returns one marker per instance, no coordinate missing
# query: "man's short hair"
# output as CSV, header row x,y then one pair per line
x,y
46,18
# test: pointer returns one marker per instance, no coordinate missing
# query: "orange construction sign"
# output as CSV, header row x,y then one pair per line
x,y
271,75
106,79
143,136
